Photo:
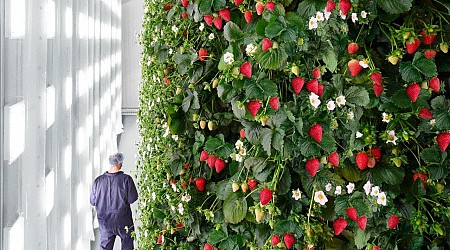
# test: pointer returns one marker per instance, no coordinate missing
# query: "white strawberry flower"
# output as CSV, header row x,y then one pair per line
x,y
350,187
312,23
228,58
354,17
386,117
296,194
367,187
174,187
338,190
250,49
320,197
340,100
391,137
381,199
243,152
175,137
239,144
211,36
375,191
314,100
328,187
363,14
170,51
239,158
364,63
186,197
433,122
350,116
167,196
327,14
172,208
319,16
174,29
358,134
331,105
180,208
202,26
153,196
342,15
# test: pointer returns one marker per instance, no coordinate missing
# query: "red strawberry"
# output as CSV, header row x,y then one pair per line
x,y
219,164
333,158
422,177
372,162
238,2
352,48
320,88
339,225
225,14
330,6
208,19
184,15
259,8
313,86
354,67
362,160
297,84
430,53
352,213
252,184
246,69
376,153
242,133
200,183
265,196
425,114
167,6
427,38
316,132
411,47
211,161
362,222
266,44
345,6
204,155
288,240
312,165
376,77
393,221
377,89
376,248
248,16
443,139
184,185
160,239
270,5
274,102
413,91
316,73
218,22
254,107
180,224
207,247
186,165
185,3
435,84
202,54
275,240
166,81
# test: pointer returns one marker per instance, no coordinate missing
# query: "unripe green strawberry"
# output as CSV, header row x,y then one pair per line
x,y
244,187
275,45
259,214
195,117
215,83
211,125
202,124
393,59
235,186
295,70
235,71
444,47
179,91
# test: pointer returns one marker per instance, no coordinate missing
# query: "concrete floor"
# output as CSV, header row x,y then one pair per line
x,y
126,144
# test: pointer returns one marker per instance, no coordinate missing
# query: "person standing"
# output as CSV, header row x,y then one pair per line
x,y
112,193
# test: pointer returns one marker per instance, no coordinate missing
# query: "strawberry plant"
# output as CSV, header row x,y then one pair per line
x,y
294,124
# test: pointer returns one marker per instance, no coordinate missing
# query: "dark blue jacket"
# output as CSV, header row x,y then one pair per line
x,y
112,194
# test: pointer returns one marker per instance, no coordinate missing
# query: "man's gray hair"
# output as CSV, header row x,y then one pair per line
x,y
116,158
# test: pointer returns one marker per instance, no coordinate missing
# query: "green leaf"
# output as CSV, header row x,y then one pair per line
x,y
278,139
306,9
234,208
409,72
176,166
295,20
395,6
401,99
351,173
361,238
338,82
216,236
442,118
429,155
308,149
299,126
218,4
269,88
328,144
438,171
204,6
284,184
389,174
232,32
255,163
439,103
426,66
239,113
213,144
225,151
262,176
223,189
330,59
287,226
262,233
357,95
274,29
229,243
261,27
272,58
266,139
340,204
418,189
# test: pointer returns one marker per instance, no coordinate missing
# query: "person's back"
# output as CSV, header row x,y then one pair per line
x,y
112,193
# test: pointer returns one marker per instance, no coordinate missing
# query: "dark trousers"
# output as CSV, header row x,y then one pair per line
x,y
108,236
